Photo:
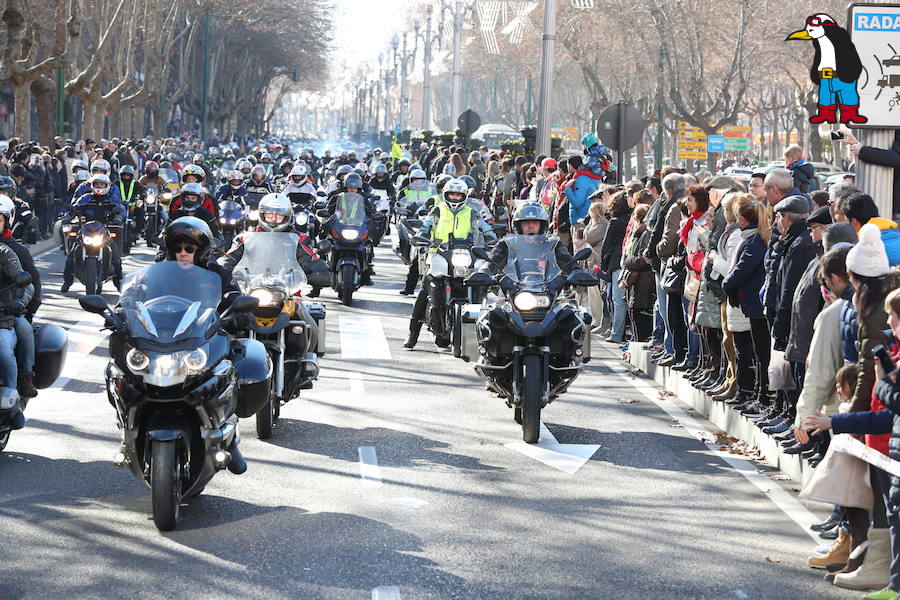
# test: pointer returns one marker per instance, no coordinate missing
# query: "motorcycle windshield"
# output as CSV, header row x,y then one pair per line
x,y
97,211
269,260
531,261
170,301
229,209
419,186
350,209
226,167
169,175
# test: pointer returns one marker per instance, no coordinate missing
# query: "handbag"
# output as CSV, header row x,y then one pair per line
x,y
840,479
780,376
676,273
692,288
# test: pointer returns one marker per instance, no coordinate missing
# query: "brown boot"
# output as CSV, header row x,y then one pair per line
x,y
838,555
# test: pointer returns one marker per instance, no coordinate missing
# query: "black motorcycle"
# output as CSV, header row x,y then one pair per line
x,y
269,271
348,249
532,344
50,347
154,216
232,220
449,264
178,382
95,235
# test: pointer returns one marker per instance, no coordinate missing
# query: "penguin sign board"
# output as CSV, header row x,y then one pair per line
x,y
835,69
875,30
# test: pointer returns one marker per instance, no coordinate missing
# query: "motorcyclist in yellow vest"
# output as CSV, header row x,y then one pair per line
x,y
451,216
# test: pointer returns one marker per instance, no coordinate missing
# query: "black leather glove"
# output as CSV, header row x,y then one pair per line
x,y
16,308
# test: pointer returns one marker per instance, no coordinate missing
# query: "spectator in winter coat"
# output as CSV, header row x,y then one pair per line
x,y
584,182
804,174
611,262
860,209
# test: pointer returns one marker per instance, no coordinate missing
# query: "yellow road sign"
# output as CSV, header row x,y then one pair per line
x,y
692,154
691,144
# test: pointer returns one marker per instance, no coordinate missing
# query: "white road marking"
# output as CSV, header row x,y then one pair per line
x,y
368,466
386,592
783,500
567,458
83,337
357,386
46,252
362,336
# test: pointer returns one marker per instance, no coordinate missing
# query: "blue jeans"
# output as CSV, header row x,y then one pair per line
x,y
8,373
619,308
834,91
662,303
693,336
24,345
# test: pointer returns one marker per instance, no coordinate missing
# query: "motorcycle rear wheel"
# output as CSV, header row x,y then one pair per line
x,y
531,399
165,484
4,439
347,285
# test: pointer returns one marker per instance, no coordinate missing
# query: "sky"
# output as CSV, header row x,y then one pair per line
x,y
363,29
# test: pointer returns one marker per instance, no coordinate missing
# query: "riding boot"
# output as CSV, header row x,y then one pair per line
x,y
415,326
237,465
314,292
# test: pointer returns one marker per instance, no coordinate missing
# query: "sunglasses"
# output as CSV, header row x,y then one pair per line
x,y
179,248
817,22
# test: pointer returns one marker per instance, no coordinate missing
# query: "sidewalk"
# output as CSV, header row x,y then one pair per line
x,y
42,247
731,422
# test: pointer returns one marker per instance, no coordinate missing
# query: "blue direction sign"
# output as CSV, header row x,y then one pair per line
x,y
715,143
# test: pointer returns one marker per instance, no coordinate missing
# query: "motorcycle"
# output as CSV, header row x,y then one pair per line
x,y
252,199
155,216
269,271
382,207
50,347
93,252
129,232
448,265
178,382
348,249
407,226
530,343
231,220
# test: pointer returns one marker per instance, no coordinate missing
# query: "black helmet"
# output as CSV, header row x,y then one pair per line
x,y
353,180
530,211
191,196
7,183
190,230
126,170
403,161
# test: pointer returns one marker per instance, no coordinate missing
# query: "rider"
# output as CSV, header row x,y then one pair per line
x,y
234,189
399,176
284,172
451,217
275,216
194,174
115,216
299,188
381,181
24,331
189,240
25,227
353,185
529,218
341,172
258,182
13,300
131,193
192,205
99,167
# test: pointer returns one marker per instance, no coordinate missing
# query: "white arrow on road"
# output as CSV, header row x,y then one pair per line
x,y
568,458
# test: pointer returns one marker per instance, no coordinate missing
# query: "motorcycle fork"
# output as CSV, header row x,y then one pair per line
x,y
279,374
519,352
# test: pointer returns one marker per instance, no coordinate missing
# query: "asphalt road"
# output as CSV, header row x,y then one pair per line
x,y
391,479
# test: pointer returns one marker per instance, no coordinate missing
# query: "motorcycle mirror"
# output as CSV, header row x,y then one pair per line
x,y
94,303
479,252
414,223
244,304
582,254
22,279
420,241
322,212
478,279
321,193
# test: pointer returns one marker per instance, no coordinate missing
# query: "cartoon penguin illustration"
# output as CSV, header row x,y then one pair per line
x,y
835,69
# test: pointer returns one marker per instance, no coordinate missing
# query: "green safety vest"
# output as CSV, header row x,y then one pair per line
x,y
459,224
126,199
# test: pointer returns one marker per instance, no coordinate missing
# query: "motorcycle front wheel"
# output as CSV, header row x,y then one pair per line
x,y
165,484
531,398
4,439
347,284
265,420
91,276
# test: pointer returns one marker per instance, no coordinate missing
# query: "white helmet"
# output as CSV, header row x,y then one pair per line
x,y
82,176
235,174
275,204
298,171
455,186
100,179
417,174
102,165
8,210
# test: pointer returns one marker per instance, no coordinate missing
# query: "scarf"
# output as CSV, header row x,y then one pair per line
x,y
689,224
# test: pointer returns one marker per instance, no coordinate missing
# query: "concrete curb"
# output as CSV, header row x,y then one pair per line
x,y
722,416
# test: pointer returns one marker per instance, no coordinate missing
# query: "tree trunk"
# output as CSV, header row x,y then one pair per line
x,y
22,110
44,94
89,120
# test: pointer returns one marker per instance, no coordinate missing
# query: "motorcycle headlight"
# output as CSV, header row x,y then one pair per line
x,y
267,297
93,240
254,215
195,360
461,259
137,360
527,301
223,220
151,200
301,218
349,234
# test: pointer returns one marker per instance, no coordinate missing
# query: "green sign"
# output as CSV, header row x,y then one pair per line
x,y
740,144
